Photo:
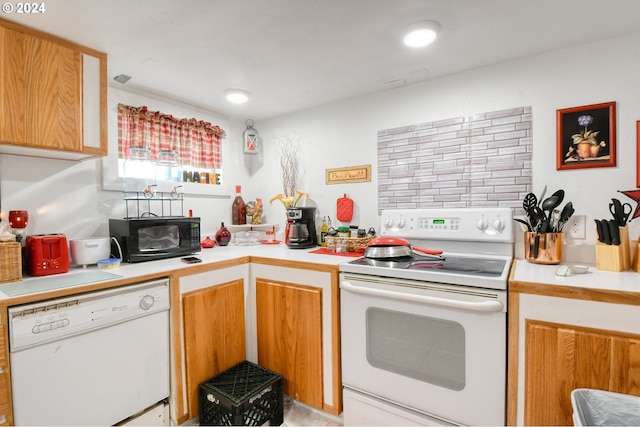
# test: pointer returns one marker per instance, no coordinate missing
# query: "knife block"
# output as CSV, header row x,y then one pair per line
x,y
614,257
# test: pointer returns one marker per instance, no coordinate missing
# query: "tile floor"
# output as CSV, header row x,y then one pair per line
x,y
298,414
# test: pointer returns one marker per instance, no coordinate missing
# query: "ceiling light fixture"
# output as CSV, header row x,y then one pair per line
x,y
236,96
421,34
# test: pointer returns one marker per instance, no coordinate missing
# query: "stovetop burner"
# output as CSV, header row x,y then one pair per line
x,y
470,266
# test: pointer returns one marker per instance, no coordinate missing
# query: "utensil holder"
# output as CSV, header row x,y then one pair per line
x,y
549,247
614,257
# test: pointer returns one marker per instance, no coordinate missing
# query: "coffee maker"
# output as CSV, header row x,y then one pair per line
x,y
302,228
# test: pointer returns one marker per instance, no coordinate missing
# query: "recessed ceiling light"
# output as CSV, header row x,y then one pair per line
x,y
421,34
236,96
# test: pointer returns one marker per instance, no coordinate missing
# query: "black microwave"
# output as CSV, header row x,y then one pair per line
x,y
153,238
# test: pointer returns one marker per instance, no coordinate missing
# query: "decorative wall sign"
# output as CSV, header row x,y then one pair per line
x,y
348,174
586,136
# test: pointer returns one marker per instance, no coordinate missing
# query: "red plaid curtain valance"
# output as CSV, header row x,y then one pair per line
x,y
197,142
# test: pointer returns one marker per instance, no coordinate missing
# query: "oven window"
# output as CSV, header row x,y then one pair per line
x,y
159,237
419,347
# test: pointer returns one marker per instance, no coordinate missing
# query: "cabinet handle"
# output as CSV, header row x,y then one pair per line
x,y
3,419
486,306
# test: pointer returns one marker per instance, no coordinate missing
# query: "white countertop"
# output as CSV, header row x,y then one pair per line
x,y
82,276
624,281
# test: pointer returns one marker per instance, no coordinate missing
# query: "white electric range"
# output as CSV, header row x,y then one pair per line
x,y
423,339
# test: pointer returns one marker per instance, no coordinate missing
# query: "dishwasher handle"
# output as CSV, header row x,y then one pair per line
x,y
491,306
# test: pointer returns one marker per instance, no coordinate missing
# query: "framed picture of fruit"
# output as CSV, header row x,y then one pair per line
x,y
586,136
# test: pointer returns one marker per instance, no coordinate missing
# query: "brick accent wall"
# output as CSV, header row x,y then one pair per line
x,y
478,161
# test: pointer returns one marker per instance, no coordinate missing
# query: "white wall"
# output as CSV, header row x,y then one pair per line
x,y
73,198
344,134
68,197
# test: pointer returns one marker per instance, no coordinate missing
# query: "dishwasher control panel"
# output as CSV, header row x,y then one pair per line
x,y
33,324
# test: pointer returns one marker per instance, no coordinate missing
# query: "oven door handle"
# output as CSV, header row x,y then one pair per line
x,y
486,306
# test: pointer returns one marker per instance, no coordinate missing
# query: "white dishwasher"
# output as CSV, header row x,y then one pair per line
x,y
91,359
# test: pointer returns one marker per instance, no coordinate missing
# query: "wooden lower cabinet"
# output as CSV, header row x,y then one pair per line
x,y
560,358
6,413
289,329
214,334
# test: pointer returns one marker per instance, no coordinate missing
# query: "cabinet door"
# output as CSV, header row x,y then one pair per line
x,y
560,358
214,334
40,92
5,407
289,323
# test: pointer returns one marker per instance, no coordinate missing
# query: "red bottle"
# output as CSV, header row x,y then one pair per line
x,y
238,209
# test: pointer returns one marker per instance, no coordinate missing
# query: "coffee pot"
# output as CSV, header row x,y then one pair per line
x,y
302,228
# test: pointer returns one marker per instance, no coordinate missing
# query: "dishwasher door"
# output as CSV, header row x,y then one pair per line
x,y
111,364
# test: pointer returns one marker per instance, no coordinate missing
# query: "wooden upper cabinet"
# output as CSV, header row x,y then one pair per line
x,y
52,93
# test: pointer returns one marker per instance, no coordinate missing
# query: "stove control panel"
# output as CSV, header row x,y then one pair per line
x,y
462,224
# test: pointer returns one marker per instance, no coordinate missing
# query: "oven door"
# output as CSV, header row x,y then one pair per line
x,y
437,349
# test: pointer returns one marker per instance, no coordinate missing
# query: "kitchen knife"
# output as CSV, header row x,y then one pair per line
x,y
614,232
606,236
599,230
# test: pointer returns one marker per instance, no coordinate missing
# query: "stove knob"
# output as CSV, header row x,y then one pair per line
x,y
401,222
499,224
482,224
388,223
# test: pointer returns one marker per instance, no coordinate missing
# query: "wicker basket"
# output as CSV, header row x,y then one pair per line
x,y
357,244
10,262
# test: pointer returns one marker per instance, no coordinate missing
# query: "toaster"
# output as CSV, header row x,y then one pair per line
x,y
46,254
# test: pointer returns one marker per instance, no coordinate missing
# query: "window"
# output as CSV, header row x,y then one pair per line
x,y
158,148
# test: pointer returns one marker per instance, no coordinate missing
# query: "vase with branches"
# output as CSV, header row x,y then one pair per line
x,y
288,159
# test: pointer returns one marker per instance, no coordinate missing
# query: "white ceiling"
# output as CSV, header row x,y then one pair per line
x,y
296,54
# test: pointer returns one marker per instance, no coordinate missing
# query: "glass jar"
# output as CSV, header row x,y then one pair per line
x,y
138,170
168,170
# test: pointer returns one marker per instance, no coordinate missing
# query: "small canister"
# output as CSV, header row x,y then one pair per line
x,y
353,231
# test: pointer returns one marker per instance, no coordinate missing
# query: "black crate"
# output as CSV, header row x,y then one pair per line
x,y
243,395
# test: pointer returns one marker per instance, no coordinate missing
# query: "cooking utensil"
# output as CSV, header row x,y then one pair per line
x,y
526,223
529,201
559,195
394,247
565,214
549,204
537,216
620,211
544,191
614,232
